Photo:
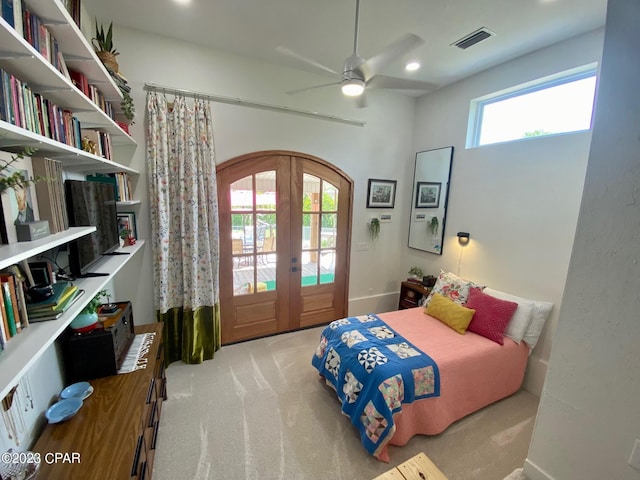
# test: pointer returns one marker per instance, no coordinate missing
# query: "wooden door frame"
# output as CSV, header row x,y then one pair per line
x,y
255,157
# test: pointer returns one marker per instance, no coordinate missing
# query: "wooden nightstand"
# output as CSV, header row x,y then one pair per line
x,y
412,294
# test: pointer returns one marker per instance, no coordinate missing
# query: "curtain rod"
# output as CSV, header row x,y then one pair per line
x,y
248,103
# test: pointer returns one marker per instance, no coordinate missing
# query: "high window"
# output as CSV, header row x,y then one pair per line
x,y
559,104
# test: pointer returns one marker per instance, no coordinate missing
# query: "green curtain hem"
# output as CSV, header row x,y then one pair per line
x,y
192,336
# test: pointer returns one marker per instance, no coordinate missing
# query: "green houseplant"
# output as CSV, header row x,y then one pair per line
x,y
433,225
416,272
374,228
87,319
103,45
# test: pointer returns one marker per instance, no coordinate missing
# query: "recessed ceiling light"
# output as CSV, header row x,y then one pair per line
x,y
182,2
412,66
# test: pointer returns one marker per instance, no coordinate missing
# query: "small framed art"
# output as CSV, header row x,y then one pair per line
x,y
428,194
127,225
381,193
19,204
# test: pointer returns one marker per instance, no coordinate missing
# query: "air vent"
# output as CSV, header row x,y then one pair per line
x,y
473,38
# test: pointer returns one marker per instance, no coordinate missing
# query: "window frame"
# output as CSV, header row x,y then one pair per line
x,y
476,109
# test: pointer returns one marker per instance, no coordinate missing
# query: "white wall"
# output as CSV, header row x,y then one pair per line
x,y
519,200
588,418
381,149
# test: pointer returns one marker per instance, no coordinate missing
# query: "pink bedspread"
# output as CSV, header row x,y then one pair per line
x,y
474,372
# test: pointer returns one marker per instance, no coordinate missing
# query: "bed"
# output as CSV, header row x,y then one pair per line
x,y
470,370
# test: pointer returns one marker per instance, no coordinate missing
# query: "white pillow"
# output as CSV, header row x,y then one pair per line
x,y
541,312
517,326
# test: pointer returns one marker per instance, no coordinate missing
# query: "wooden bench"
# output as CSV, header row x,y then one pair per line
x,y
419,467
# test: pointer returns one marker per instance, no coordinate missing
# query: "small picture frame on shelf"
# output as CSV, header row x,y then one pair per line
x,y
19,204
381,193
127,225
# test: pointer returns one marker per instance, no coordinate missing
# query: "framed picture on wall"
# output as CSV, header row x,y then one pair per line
x,y
381,193
428,194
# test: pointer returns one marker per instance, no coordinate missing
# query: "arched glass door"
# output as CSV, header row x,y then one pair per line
x,y
285,265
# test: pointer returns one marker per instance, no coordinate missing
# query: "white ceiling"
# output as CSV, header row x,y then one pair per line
x,y
323,29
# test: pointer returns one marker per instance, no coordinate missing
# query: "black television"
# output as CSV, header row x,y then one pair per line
x,y
91,204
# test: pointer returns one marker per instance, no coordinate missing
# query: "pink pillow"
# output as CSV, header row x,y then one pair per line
x,y
492,315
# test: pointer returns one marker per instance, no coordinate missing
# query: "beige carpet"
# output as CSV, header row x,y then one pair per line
x,y
260,411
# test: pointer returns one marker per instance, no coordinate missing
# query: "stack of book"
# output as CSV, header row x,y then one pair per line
x,y
64,295
50,194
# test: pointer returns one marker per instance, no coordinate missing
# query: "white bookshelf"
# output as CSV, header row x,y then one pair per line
x,y
16,252
19,58
23,349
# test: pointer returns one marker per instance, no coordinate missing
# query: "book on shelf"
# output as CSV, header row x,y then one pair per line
x,y
10,309
19,285
12,13
50,193
54,314
61,291
4,324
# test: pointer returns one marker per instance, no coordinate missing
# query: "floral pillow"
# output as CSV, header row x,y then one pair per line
x,y
452,287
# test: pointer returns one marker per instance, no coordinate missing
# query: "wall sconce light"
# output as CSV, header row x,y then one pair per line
x,y
463,238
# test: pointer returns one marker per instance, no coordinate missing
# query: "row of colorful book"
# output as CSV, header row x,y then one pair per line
x,y
20,106
17,312
92,92
31,27
34,31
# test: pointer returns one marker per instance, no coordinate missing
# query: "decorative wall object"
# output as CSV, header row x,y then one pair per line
x,y
431,191
381,193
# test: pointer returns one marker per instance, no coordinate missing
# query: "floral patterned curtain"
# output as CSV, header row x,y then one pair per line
x,y
184,223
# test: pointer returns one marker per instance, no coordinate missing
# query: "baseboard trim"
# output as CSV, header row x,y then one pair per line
x,y
533,472
383,302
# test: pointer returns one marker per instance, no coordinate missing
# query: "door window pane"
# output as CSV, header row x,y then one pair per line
x,y
242,194
327,266
266,191
328,235
253,221
329,197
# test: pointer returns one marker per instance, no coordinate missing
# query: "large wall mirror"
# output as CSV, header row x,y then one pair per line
x,y
429,202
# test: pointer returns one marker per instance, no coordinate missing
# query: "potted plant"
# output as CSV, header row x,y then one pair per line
x,y
87,319
103,45
433,225
128,108
374,228
416,273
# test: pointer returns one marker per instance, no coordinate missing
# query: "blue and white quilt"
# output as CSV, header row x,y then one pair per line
x,y
374,371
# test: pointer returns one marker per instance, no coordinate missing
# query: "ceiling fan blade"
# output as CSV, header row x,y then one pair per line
x,y
292,92
389,54
383,81
361,101
302,58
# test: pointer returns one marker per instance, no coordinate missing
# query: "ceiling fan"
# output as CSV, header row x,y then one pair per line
x,y
358,73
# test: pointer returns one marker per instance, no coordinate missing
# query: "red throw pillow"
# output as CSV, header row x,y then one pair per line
x,y
492,315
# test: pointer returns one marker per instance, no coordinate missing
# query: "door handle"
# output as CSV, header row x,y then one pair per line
x,y
294,269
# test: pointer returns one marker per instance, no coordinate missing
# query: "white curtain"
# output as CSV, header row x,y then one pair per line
x,y
184,221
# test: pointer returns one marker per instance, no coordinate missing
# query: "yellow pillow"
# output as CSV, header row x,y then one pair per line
x,y
450,313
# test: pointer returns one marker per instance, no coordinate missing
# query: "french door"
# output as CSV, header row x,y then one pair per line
x,y
285,222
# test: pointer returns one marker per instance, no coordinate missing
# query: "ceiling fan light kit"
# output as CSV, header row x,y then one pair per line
x,y
353,87
359,73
